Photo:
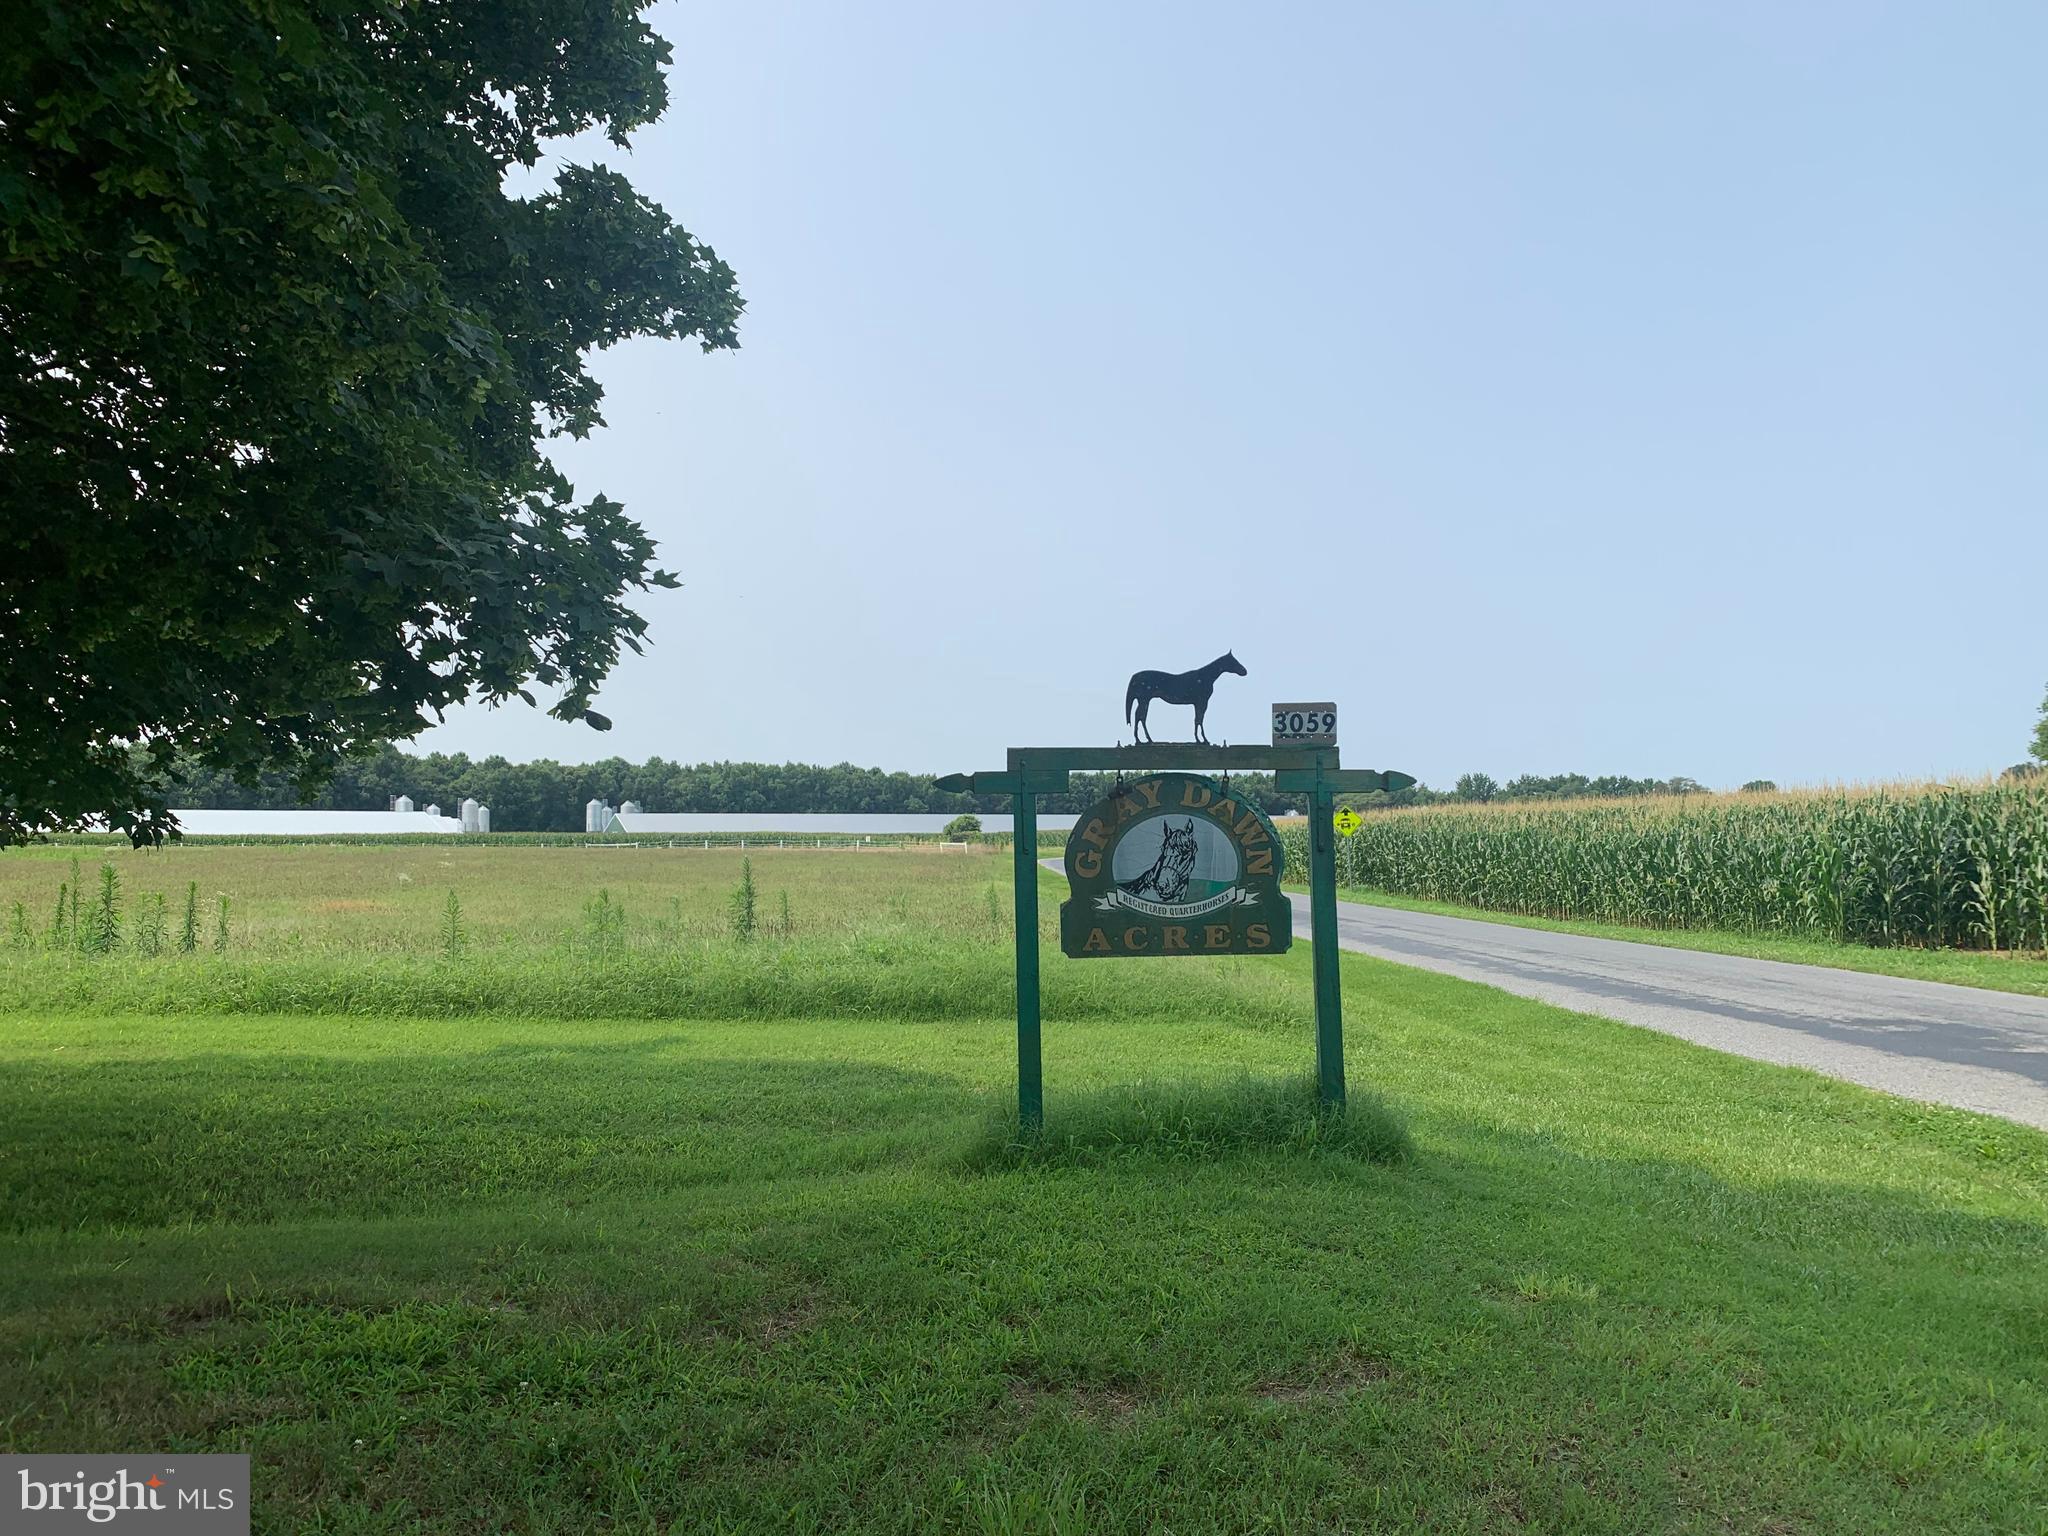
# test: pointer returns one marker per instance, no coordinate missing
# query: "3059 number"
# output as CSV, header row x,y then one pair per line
x,y
1304,724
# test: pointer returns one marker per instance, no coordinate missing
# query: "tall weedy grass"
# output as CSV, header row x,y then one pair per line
x,y
547,933
744,920
604,927
54,936
150,922
102,935
454,932
1963,868
188,932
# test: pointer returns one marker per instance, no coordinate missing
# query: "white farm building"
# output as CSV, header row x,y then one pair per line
x,y
797,824
309,823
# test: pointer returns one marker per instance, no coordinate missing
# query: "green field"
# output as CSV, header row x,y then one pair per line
x,y
1931,866
594,1224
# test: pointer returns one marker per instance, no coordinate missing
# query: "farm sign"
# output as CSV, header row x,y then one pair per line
x,y
1174,864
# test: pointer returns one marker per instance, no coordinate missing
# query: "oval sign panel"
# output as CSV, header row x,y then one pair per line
x,y
1173,864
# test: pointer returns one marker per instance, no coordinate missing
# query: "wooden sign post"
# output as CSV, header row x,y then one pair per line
x,y
1183,827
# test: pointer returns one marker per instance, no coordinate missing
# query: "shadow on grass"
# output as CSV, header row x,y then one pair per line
x,y
1603,1343
264,1136
1193,1118
1579,1331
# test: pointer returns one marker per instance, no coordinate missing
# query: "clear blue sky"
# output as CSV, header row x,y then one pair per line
x,y
1619,388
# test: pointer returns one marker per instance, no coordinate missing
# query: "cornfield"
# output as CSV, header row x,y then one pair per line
x,y
1963,868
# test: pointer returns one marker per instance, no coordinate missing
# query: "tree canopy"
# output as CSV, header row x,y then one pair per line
x,y
2040,747
279,357
1476,786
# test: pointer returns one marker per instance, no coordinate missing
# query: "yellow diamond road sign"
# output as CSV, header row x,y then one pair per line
x,y
1348,821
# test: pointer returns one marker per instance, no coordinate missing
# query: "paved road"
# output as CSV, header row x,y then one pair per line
x,y
1925,1040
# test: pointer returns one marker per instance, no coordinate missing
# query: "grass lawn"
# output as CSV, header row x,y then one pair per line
x,y
2000,971
487,1272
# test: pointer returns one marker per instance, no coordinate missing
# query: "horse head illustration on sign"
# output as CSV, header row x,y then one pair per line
x,y
1167,878
1177,688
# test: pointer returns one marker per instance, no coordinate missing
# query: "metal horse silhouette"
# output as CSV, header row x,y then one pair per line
x,y
1178,688
1167,879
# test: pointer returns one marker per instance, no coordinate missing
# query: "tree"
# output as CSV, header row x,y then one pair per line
x,y
1760,787
1476,786
279,357
2040,747
964,825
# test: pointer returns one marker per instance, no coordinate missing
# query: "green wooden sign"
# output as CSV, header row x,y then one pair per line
x,y
1119,823
1174,864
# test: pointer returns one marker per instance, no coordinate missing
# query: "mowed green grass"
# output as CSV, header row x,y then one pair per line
x,y
481,1272
2023,971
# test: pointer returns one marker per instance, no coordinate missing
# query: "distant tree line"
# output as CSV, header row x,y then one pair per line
x,y
1570,786
547,796
1482,788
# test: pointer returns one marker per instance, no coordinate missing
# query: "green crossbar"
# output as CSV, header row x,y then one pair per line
x,y
1340,781
1146,756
